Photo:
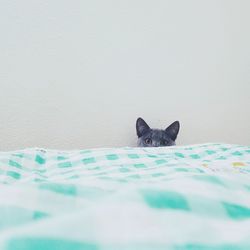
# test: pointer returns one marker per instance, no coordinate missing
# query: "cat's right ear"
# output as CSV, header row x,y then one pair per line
x,y
141,127
173,130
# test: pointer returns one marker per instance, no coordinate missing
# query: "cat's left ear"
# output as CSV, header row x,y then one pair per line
x,y
141,127
173,130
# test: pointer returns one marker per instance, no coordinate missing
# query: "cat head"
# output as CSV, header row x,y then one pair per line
x,y
148,137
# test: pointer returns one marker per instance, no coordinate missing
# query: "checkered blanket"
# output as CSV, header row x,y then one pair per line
x,y
189,197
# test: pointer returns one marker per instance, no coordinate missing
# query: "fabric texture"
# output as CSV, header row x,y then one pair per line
x,y
188,197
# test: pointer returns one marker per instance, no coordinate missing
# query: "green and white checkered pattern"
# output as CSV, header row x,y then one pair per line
x,y
188,197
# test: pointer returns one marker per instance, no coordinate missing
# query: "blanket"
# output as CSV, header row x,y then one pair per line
x,y
181,197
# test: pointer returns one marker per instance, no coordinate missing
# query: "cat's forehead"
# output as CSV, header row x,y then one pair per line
x,y
157,134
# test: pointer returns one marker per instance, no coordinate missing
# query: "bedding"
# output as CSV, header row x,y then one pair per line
x,y
186,197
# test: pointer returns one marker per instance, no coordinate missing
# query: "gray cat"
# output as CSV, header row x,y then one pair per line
x,y
148,137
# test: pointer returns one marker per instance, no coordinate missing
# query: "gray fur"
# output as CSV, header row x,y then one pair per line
x,y
148,137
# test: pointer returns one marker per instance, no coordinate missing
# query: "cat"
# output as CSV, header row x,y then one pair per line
x,y
148,137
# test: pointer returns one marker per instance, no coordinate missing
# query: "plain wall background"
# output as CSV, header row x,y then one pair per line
x,y
77,74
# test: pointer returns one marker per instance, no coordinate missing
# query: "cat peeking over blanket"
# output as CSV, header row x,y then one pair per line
x,y
148,137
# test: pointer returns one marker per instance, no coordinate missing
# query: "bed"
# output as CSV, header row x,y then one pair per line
x,y
182,197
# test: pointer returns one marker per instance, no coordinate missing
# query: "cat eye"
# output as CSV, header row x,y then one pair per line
x,y
148,141
164,142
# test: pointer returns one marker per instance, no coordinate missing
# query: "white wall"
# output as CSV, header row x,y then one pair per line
x,y
77,74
